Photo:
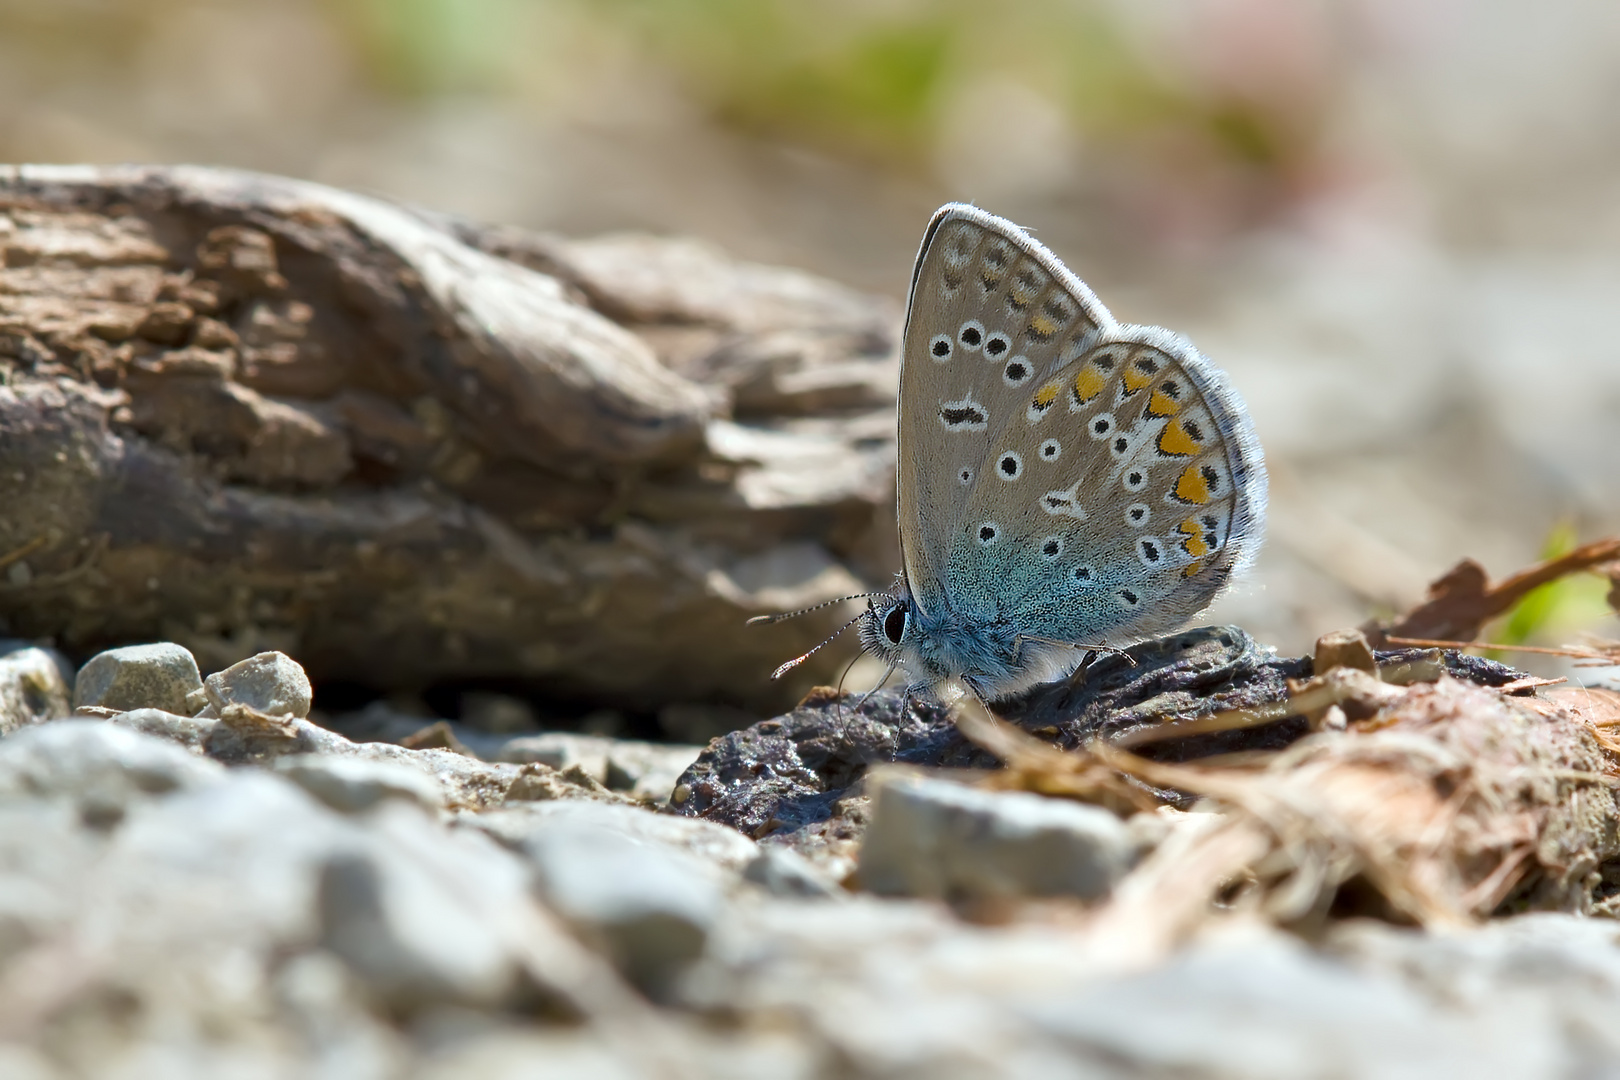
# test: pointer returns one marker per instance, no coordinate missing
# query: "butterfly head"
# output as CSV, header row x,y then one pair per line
x,y
887,627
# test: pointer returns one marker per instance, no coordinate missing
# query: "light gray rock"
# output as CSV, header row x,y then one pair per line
x,y
1561,970
32,688
892,987
157,676
200,898
717,845
189,731
45,850
408,937
936,838
352,784
103,767
25,1063
645,904
271,682
647,770
781,871
560,750
466,782
643,770
330,1013
1266,1006
516,1055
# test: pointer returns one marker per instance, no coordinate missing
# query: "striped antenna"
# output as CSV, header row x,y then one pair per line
x,y
759,620
797,660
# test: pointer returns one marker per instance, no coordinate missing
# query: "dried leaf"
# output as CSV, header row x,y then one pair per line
x,y
1463,600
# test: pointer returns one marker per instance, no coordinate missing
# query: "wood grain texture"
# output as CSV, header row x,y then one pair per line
x,y
243,412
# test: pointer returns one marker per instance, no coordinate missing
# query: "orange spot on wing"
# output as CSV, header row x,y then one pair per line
x,y
1192,568
1046,395
1175,440
1042,327
1136,378
1088,384
1191,487
1162,404
1194,544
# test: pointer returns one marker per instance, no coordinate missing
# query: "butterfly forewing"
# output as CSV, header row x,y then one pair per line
x,y
1087,480
988,320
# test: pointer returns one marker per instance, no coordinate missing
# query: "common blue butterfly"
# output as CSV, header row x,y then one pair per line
x,y
1065,481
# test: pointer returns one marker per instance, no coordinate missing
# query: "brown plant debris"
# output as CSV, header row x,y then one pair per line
x,y
1355,693
1033,765
436,736
1463,599
1343,648
1436,802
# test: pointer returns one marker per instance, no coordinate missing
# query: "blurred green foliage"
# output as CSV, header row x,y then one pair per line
x,y
869,78
874,76
422,48
1557,608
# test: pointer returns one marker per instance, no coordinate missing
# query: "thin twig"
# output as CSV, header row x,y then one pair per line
x,y
1568,650
27,549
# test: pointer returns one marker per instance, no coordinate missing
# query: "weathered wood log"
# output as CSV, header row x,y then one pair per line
x,y
241,411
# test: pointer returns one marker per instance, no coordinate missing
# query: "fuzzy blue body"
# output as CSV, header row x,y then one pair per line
x,y
991,653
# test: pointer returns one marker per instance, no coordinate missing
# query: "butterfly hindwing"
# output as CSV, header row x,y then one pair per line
x,y
1128,518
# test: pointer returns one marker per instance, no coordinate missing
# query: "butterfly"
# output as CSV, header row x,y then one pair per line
x,y
1065,482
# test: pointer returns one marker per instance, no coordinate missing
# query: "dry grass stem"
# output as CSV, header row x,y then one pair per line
x,y
1439,803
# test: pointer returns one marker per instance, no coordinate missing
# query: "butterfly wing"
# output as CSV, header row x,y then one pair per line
x,y
1115,484
973,271
1121,501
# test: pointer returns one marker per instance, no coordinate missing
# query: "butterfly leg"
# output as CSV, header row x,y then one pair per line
x,y
1091,649
843,725
912,696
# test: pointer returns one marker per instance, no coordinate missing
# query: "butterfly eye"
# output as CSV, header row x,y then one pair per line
x,y
1017,371
1136,514
1052,548
1101,426
1010,466
971,335
989,533
1051,449
894,624
940,348
965,476
996,345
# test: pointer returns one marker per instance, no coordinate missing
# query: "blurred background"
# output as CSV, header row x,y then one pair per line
x,y
1396,223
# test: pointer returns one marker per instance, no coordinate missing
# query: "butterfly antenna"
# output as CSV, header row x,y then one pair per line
x,y
760,620
797,660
